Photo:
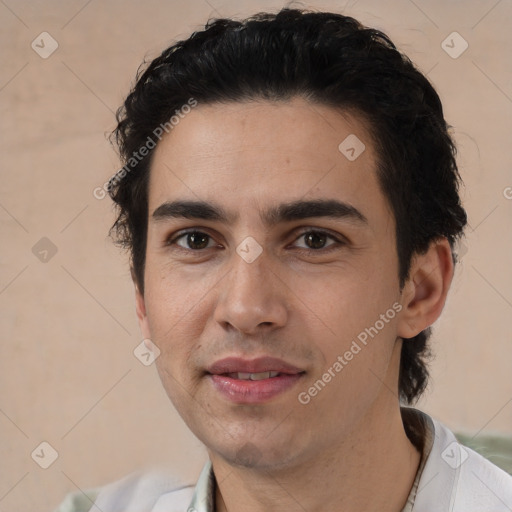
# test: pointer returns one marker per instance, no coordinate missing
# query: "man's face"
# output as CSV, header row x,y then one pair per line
x,y
298,286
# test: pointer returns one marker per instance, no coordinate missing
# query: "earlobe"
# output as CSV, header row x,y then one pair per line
x,y
424,294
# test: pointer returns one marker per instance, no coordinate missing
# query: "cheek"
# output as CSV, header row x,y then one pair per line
x,y
177,329
341,301
355,320
352,376
177,313
175,295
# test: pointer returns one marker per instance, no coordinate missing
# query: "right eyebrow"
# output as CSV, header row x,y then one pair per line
x,y
191,210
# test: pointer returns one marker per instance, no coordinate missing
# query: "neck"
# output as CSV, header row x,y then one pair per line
x,y
372,469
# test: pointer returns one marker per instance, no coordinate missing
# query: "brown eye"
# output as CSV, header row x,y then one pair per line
x,y
317,240
195,240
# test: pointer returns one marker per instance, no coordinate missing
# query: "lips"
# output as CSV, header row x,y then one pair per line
x,y
254,381
233,365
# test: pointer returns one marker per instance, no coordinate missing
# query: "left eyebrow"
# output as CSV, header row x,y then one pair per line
x,y
286,212
298,210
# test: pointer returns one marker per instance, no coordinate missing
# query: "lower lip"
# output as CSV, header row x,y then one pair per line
x,y
253,391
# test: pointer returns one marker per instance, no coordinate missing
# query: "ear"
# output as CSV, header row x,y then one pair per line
x,y
425,291
140,308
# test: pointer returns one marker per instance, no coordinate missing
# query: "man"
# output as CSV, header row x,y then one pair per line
x,y
289,199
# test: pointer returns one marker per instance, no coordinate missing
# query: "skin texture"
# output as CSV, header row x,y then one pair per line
x,y
346,449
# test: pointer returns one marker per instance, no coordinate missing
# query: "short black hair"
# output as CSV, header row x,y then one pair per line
x,y
328,59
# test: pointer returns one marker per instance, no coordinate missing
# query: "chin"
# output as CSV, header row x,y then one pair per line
x,y
252,454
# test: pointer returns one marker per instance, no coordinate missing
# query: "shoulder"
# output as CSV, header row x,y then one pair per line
x,y
461,479
137,492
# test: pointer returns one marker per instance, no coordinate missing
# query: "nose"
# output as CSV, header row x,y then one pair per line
x,y
252,297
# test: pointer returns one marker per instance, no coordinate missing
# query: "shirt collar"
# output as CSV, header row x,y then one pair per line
x,y
203,499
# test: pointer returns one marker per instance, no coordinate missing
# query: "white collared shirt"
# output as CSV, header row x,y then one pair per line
x,y
450,478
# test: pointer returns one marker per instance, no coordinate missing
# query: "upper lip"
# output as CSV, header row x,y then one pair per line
x,y
259,365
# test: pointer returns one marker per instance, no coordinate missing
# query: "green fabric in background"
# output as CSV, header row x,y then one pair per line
x,y
79,501
497,449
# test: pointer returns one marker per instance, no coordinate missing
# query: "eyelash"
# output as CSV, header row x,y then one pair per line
x,y
337,242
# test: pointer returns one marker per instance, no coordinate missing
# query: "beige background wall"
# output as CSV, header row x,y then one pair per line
x,y
68,374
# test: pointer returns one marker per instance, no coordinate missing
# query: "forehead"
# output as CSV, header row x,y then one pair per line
x,y
265,153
